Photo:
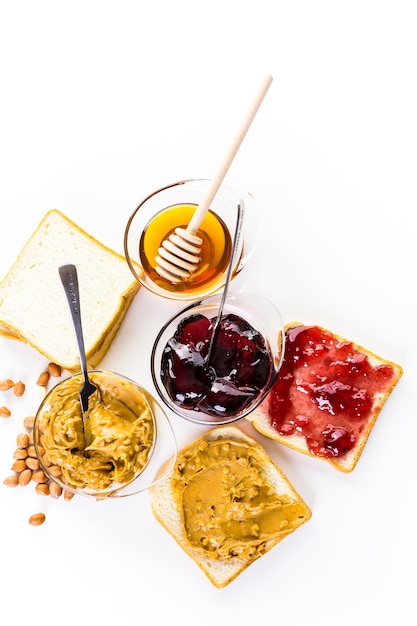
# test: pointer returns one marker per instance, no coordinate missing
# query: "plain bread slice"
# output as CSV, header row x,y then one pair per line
x,y
33,306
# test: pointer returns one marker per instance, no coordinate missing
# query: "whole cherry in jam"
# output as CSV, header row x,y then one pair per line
x,y
324,391
238,371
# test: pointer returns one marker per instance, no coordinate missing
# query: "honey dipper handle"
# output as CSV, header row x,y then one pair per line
x,y
204,205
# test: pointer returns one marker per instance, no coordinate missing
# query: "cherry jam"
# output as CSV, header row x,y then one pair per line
x,y
239,367
324,391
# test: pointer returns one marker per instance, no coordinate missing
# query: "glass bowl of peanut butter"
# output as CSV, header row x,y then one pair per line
x,y
131,436
227,384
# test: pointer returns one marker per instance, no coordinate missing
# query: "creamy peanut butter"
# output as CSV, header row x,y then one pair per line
x,y
228,507
121,424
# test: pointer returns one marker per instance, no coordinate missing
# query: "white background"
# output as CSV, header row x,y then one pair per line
x,y
101,103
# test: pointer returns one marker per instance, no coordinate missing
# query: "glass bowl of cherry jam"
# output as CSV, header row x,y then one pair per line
x,y
244,362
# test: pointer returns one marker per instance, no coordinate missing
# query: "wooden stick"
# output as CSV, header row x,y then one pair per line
x,y
204,205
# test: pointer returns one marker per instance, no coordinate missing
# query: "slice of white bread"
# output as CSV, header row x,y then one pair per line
x,y
366,376
33,305
166,503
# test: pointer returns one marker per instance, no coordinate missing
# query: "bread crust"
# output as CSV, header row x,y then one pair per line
x,y
167,513
33,308
260,417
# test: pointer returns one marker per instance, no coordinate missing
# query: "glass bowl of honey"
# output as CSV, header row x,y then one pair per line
x,y
226,384
164,210
131,437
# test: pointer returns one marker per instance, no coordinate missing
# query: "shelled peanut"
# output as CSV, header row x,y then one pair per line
x,y
18,389
27,469
53,370
25,466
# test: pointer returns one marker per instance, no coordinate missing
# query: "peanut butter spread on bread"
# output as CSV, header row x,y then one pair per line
x,y
228,507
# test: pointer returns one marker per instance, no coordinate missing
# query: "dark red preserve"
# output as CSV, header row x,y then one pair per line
x,y
324,391
238,371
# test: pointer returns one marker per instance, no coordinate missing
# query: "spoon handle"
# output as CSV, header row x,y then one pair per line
x,y
236,239
69,278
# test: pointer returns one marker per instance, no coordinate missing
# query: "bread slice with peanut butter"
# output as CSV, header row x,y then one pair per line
x,y
226,503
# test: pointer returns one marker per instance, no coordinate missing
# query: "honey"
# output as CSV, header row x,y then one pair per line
x,y
215,249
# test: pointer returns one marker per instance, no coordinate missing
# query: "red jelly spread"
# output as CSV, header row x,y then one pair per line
x,y
238,371
324,391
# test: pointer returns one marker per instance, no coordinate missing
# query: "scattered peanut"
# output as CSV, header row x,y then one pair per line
x,y
39,477
55,490
32,463
22,440
6,384
42,489
28,422
55,470
45,460
26,465
11,481
41,450
25,477
20,453
19,389
19,465
31,451
54,370
37,519
43,379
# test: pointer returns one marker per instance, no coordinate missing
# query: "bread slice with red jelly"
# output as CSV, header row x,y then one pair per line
x,y
327,396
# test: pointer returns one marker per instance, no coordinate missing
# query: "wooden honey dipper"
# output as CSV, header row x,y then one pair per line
x,y
179,254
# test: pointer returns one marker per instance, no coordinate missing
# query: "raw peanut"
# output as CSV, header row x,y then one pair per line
x,y
37,519
43,379
55,490
22,440
54,370
20,453
11,481
32,451
19,465
55,470
32,463
41,451
6,384
42,489
25,477
19,389
68,495
39,477
45,460
30,435
5,412
28,422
